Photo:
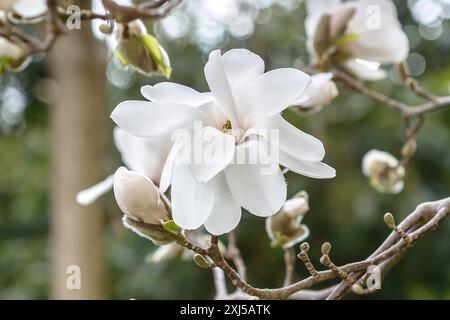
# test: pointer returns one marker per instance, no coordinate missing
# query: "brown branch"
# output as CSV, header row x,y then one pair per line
x,y
425,218
437,104
234,253
289,261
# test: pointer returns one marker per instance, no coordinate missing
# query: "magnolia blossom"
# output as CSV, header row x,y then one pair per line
x,y
320,92
143,155
367,34
237,117
140,50
384,171
285,228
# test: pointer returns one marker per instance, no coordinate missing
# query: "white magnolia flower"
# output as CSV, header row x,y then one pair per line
x,y
369,31
143,155
384,171
285,228
138,197
243,102
320,92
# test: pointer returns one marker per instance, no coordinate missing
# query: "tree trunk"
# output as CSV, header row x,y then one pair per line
x,y
78,121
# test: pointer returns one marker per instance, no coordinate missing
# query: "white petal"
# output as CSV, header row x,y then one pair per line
x,y
146,119
175,93
213,151
143,155
364,70
166,175
317,170
88,196
220,86
30,8
257,191
241,66
290,139
387,45
192,201
226,213
271,93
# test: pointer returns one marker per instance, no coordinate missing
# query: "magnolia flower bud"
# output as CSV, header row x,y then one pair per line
x,y
13,57
284,228
138,49
384,171
320,92
139,199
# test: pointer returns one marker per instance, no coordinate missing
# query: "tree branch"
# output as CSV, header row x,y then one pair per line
x,y
425,218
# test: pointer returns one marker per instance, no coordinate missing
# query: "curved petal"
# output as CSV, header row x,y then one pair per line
x,y
226,213
317,170
386,45
291,140
219,84
175,93
241,66
213,151
89,195
146,119
192,201
166,175
271,93
258,191
143,155
365,70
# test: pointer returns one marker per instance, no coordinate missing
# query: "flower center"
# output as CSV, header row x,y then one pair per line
x,y
226,128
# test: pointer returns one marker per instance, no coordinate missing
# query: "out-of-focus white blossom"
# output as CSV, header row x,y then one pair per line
x,y
360,35
25,8
285,228
384,171
320,92
166,252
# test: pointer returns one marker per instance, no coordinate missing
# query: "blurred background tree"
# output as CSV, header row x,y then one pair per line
x,y
345,211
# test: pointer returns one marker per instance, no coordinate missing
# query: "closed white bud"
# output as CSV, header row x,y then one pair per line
x,y
138,197
384,171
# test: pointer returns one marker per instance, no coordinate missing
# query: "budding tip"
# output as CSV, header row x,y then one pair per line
x,y
389,220
304,246
325,260
326,248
